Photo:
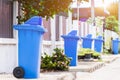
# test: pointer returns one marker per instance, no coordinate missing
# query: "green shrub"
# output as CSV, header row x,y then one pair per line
x,y
112,24
83,51
57,61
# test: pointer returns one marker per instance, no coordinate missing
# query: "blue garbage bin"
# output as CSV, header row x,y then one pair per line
x,y
98,42
115,46
29,40
70,46
87,41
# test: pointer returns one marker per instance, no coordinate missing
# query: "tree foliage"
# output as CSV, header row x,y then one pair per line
x,y
43,8
113,9
112,24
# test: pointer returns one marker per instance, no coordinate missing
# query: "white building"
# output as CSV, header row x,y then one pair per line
x,y
8,36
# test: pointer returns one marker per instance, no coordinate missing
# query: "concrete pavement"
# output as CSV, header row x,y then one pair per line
x,y
110,71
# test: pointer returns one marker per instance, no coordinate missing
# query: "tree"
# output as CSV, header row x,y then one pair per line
x,y
112,24
113,9
43,8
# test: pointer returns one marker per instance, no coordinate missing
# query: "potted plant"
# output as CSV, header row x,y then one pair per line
x,y
96,55
84,53
88,54
81,55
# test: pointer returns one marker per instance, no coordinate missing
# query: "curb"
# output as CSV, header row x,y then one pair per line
x,y
87,67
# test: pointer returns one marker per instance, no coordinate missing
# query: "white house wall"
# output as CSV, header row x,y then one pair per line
x,y
8,48
8,55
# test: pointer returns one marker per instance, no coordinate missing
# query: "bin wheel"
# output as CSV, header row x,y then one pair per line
x,y
18,72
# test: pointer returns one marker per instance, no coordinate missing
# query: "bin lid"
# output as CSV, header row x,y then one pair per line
x,y
117,40
73,33
86,38
99,37
33,23
89,36
35,20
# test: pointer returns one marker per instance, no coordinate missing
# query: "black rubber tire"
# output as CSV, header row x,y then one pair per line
x,y
18,72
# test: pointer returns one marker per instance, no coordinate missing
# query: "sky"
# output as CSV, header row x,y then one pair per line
x,y
97,3
106,2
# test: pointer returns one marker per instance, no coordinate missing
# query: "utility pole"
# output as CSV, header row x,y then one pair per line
x,y
93,11
78,16
78,4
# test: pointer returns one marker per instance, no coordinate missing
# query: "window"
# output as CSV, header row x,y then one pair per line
x,y
6,19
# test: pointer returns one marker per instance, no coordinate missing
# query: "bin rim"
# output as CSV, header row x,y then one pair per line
x,y
70,36
30,27
116,40
87,38
98,39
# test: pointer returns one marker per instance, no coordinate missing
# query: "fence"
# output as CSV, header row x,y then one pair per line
x,y
83,29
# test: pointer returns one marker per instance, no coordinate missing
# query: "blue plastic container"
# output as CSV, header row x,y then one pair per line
x,y
70,46
98,42
29,40
87,41
115,46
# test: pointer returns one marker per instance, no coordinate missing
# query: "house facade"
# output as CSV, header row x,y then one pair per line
x,y
56,27
8,40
